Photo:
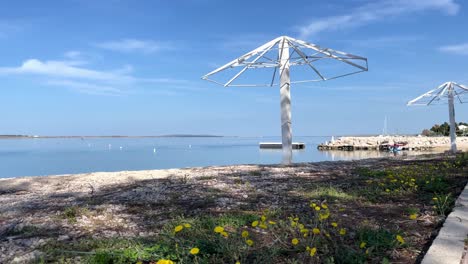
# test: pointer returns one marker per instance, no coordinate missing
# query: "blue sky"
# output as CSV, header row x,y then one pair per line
x,y
133,67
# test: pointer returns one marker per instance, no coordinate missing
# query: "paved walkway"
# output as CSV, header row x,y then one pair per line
x,y
449,245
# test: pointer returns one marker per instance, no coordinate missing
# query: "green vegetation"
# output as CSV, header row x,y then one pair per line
x,y
444,130
327,224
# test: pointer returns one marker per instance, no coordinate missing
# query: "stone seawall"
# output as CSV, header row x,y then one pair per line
x,y
380,142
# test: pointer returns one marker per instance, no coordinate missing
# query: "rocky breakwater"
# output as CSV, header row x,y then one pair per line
x,y
382,143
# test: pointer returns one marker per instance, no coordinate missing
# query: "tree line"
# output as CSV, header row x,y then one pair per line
x,y
444,130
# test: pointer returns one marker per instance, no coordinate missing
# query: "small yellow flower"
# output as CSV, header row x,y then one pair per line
x,y
324,206
413,216
387,190
219,229
263,226
317,208
301,226
178,228
237,262
187,225
400,239
327,234
165,261
313,251
362,245
255,223
263,218
194,251
245,234
249,242
342,231
313,205
272,222
304,230
435,199
296,219
316,231
367,251
295,241
224,234
334,224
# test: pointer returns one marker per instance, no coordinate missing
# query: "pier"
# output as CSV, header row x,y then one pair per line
x,y
279,145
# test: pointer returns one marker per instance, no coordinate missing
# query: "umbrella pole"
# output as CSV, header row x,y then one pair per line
x,y
453,143
285,96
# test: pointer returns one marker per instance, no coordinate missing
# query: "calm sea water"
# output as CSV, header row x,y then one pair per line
x,y
34,157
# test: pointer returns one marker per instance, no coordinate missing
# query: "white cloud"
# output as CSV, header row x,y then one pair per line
x,y
69,74
87,88
461,49
133,45
376,11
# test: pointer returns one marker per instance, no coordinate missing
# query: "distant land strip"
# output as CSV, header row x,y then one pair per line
x,y
111,136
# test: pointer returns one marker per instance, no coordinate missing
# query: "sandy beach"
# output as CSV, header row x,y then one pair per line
x,y
131,204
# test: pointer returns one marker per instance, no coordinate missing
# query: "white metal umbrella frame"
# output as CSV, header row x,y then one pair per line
x,y
451,92
257,59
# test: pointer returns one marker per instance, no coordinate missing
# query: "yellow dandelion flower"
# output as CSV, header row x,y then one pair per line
x,y
304,230
342,231
301,226
178,228
249,242
316,231
296,219
255,223
245,234
165,261
413,216
435,199
305,235
272,222
362,245
334,224
194,251
224,234
187,225
219,229
263,226
324,206
295,241
387,190
317,208
400,239
313,205
263,218
313,251
237,262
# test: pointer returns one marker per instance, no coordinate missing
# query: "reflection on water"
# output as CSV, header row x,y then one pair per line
x,y
367,154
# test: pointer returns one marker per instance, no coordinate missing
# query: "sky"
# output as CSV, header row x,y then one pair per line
x,y
117,67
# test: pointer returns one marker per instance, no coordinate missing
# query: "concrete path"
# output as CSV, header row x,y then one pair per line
x,y
448,247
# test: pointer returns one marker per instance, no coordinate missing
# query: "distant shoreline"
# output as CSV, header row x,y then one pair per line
x,y
114,136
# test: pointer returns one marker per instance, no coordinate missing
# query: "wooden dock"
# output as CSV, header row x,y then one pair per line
x,y
279,145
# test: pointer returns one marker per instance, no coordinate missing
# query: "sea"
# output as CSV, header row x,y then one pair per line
x,y
57,156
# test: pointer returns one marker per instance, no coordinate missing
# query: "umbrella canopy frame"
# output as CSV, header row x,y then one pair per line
x,y
452,91
283,62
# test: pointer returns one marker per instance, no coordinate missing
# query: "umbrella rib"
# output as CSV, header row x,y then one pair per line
x,y
246,67
329,54
305,59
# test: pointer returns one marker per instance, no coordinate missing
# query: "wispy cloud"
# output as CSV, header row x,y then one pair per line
x,y
461,49
71,74
376,11
87,88
134,45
